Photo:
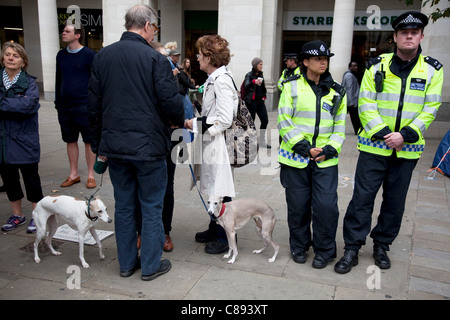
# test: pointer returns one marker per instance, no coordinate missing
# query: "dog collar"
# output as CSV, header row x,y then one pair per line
x,y
222,210
87,212
88,215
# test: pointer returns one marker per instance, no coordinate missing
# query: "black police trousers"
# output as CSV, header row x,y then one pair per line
x,y
311,196
372,172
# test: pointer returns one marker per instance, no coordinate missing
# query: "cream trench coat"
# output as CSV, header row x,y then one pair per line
x,y
209,151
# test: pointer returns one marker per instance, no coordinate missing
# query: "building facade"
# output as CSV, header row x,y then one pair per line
x,y
354,29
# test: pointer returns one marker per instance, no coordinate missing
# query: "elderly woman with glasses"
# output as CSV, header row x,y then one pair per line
x,y
220,102
19,142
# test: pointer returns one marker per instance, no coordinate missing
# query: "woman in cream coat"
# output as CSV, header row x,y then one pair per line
x,y
211,162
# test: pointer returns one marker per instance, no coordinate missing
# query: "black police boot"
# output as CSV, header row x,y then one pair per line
x,y
320,262
349,260
381,258
299,257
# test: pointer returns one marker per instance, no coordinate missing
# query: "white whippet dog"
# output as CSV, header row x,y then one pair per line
x,y
79,214
235,214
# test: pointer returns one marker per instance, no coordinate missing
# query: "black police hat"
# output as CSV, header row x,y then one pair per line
x,y
315,48
410,20
290,56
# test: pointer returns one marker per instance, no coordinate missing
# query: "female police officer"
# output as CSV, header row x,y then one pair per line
x,y
311,120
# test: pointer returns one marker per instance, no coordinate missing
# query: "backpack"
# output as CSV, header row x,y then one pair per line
x,y
243,93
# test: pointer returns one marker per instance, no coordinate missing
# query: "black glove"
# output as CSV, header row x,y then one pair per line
x,y
329,152
409,135
380,134
302,148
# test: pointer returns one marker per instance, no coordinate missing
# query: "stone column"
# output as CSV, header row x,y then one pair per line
x,y
172,23
342,37
436,44
49,38
114,19
31,34
251,27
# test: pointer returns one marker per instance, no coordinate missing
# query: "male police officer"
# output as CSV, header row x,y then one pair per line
x,y
399,98
292,68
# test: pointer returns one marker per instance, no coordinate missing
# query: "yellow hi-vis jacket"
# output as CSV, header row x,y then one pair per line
x,y
303,115
414,101
284,76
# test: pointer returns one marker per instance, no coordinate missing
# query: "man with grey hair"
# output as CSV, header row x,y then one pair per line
x,y
133,102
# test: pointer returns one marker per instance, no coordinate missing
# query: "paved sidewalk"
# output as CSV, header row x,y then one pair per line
x,y
420,255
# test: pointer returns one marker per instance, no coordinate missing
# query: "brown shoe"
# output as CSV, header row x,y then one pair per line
x,y
91,183
69,181
138,244
168,245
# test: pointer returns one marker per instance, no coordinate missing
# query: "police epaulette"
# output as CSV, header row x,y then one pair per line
x,y
373,61
291,78
338,88
434,63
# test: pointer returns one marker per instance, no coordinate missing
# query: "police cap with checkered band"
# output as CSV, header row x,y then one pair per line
x,y
410,20
315,48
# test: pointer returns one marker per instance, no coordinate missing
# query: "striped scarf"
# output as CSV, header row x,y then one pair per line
x,y
6,82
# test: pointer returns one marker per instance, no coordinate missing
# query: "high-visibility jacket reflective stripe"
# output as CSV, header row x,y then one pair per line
x,y
411,102
382,145
302,115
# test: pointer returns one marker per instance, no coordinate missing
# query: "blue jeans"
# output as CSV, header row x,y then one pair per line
x,y
188,114
137,182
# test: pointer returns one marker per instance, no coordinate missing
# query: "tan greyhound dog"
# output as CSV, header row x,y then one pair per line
x,y
235,214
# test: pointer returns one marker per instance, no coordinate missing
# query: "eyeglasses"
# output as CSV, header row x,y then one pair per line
x,y
156,28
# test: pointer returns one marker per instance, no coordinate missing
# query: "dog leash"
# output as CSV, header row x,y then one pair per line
x,y
88,201
213,218
88,211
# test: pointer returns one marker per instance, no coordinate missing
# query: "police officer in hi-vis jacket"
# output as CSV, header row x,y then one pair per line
x,y
311,121
292,68
399,97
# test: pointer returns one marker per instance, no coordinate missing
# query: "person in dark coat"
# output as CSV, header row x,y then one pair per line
x,y
19,136
255,98
133,103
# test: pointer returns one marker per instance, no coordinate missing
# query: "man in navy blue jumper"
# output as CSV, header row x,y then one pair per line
x,y
73,70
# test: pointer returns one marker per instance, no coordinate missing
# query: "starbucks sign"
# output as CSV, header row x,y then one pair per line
x,y
375,19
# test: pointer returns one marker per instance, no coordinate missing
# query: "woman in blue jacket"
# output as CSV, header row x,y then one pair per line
x,y
19,133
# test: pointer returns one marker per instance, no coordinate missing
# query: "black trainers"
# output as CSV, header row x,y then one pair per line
x,y
349,260
216,247
164,267
129,273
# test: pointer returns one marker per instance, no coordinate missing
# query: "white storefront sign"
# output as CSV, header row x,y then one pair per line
x,y
373,20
